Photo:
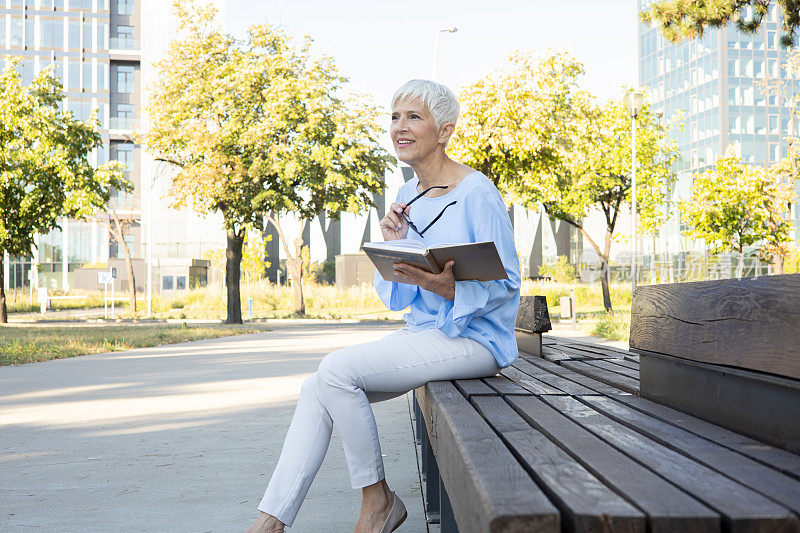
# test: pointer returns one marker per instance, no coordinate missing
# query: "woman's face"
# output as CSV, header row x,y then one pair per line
x,y
413,131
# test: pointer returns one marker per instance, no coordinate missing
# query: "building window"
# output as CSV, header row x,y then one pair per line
x,y
124,40
102,31
86,83
101,76
125,79
180,283
74,39
166,283
124,117
16,31
74,75
125,7
87,35
125,156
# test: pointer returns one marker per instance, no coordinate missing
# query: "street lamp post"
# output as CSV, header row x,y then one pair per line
x,y
634,100
436,48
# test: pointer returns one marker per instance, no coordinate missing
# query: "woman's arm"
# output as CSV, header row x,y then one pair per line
x,y
477,298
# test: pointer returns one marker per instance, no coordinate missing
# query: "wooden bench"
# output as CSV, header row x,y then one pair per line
x,y
562,441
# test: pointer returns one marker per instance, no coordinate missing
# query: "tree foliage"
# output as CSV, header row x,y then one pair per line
x,y
736,205
545,142
687,19
520,119
786,170
45,172
259,129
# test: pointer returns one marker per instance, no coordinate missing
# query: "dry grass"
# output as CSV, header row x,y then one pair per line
x,y
30,343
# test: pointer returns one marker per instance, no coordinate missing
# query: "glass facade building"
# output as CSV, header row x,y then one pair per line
x,y
711,85
93,46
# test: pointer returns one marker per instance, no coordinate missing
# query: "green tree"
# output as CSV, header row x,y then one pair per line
x,y
545,142
786,170
687,19
258,130
254,256
735,206
45,173
597,176
521,118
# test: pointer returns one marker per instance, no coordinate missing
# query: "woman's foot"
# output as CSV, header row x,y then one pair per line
x,y
266,523
376,503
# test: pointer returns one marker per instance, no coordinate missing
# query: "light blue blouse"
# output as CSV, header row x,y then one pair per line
x,y
485,311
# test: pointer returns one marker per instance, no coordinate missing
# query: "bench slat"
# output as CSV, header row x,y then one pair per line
x,y
612,378
746,471
776,458
623,362
586,504
569,387
494,493
503,385
743,508
668,508
597,386
564,353
606,365
528,382
473,387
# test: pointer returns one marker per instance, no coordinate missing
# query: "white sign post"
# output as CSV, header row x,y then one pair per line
x,y
43,299
104,278
113,274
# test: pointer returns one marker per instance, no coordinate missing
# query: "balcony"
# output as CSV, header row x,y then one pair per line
x,y
123,123
124,49
118,43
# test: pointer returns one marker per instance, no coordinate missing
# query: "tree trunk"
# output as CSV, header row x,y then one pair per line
x,y
740,265
603,255
604,285
297,277
777,263
233,273
605,272
128,263
294,265
3,311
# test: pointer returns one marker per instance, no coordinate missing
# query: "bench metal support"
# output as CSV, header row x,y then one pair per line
x,y
447,522
433,485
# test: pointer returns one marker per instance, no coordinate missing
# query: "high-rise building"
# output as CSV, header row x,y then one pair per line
x,y
104,51
712,83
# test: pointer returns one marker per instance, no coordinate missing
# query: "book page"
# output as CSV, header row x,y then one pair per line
x,y
399,244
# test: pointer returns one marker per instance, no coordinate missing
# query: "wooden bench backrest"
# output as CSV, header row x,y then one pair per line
x,y
746,323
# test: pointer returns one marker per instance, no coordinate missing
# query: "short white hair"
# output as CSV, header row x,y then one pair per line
x,y
440,101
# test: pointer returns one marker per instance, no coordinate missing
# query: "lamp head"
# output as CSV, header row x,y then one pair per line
x,y
634,101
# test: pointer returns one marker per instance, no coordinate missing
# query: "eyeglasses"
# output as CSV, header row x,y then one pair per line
x,y
420,195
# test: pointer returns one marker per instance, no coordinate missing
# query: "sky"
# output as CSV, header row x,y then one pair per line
x,y
381,44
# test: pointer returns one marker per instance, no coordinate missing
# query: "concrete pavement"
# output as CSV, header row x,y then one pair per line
x,y
181,437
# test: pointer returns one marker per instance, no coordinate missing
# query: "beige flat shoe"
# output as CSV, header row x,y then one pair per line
x,y
397,515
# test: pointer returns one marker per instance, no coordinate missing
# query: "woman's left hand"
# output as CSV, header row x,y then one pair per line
x,y
442,284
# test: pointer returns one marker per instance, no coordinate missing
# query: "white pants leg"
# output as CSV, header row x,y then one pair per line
x,y
340,392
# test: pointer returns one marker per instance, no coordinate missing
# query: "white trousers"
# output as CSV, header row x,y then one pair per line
x,y
339,393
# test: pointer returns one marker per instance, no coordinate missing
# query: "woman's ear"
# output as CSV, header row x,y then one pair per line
x,y
445,132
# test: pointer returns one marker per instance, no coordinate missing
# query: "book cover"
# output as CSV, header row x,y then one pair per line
x,y
473,261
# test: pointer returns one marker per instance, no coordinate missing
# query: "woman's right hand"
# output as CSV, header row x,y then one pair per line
x,y
393,225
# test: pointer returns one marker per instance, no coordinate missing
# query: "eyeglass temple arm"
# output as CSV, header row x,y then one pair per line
x,y
438,216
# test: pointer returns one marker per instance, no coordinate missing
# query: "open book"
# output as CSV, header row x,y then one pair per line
x,y
478,260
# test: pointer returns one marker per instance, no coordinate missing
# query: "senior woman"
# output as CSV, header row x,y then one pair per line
x,y
454,329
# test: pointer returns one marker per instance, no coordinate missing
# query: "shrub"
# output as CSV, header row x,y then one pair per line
x,y
559,271
613,325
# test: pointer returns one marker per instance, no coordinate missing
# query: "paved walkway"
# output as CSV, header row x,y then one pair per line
x,y
180,438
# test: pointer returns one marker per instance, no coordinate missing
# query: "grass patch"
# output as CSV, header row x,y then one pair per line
x,y
31,344
613,325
